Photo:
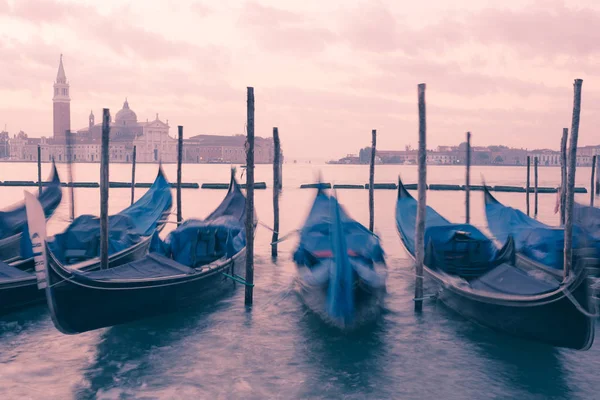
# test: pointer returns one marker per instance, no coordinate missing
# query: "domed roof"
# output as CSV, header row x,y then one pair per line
x,y
125,116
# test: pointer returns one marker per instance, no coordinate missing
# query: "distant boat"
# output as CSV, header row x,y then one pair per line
x,y
199,260
341,266
130,234
479,281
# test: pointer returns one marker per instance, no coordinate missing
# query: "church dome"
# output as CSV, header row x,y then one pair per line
x,y
125,116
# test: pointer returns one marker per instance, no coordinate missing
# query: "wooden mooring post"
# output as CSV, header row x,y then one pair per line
x,y
527,185
133,157
179,157
104,161
592,180
39,165
372,180
422,198
563,174
535,187
249,198
572,164
69,155
276,189
468,181
597,191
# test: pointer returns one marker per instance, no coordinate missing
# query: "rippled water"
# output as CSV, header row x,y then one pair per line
x,y
278,349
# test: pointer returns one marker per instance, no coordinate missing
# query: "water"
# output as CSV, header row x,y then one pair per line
x,y
280,350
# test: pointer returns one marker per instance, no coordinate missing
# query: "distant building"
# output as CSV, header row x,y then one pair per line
x,y
4,146
61,103
226,149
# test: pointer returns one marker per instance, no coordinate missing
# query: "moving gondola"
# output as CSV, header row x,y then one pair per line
x,y
199,259
78,246
341,267
480,281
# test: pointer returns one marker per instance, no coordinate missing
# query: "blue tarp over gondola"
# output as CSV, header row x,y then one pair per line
x,y
533,239
14,220
315,236
459,249
125,228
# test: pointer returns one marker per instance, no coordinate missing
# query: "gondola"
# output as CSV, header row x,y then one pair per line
x,y
341,266
199,259
538,245
13,222
479,281
131,231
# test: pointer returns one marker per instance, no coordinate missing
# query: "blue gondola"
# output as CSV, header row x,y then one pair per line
x,y
130,234
341,266
198,260
480,282
13,222
537,244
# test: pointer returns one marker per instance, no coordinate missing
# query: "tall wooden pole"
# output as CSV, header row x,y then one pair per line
x,y
276,188
372,180
563,174
104,160
39,160
69,138
572,164
535,187
133,157
468,181
597,176
422,199
250,199
179,157
592,181
528,183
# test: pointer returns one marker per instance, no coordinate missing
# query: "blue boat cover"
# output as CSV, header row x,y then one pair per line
x,y
459,249
8,273
316,238
81,240
533,239
588,219
506,279
14,220
151,266
221,234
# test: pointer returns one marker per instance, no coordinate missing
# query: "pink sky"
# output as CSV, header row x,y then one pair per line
x,y
324,72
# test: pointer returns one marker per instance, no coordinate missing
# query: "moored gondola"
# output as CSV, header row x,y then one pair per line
x,y
131,231
199,259
538,245
477,280
13,222
341,266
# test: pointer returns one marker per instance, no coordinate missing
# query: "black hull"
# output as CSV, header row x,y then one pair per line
x,y
10,248
76,308
22,294
552,319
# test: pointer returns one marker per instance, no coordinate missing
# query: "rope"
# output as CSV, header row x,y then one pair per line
x,y
577,305
426,297
238,279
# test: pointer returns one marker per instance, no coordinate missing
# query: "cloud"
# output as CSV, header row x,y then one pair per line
x,y
201,9
278,30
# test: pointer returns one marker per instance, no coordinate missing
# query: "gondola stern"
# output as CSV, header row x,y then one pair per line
x,y
402,192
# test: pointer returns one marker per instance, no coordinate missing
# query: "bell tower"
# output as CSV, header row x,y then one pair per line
x,y
61,104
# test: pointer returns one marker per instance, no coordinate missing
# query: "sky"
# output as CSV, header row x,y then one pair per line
x,y
324,72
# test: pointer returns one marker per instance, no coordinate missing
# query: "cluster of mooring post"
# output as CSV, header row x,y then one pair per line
x,y
572,164
527,185
592,191
563,174
104,189
535,187
133,156
69,155
468,181
179,158
422,193
276,188
39,162
372,180
249,198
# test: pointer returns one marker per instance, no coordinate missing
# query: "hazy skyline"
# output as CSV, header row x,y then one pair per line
x,y
325,73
